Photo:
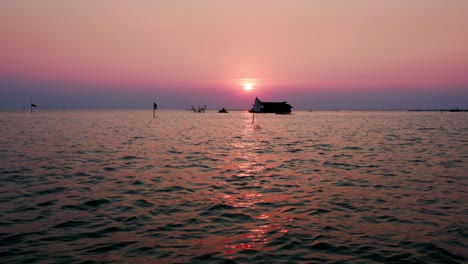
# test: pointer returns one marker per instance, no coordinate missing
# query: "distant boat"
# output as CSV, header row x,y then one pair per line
x,y
223,110
199,109
282,108
441,110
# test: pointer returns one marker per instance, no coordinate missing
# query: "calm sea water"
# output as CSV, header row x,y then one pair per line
x,y
319,187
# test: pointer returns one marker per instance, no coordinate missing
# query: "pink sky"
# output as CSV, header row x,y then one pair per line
x,y
206,46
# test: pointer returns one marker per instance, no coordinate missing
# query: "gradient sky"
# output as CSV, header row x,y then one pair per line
x,y
320,54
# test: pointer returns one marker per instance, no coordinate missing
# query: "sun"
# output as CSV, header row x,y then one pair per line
x,y
248,86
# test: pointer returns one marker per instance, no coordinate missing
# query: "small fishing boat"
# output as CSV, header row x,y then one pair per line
x,y
199,109
223,110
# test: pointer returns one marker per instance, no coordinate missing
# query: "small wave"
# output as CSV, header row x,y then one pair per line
x,y
353,148
319,212
220,207
176,188
210,258
48,203
137,182
295,150
106,247
323,246
96,203
71,223
346,205
238,217
52,191
435,252
143,203
81,174
174,151
18,238
390,218
346,166
129,158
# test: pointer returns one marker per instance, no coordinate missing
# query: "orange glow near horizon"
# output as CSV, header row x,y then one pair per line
x,y
231,48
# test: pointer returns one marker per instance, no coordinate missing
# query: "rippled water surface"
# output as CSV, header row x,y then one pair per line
x,y
320,187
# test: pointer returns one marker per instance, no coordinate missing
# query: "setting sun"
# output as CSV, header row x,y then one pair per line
x,y
248,86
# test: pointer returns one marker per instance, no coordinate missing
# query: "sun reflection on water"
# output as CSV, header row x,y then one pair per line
x,y
253,198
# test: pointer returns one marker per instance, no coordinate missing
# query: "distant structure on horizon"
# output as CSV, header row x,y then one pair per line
x,y
441,110
270,107
155,106
199,109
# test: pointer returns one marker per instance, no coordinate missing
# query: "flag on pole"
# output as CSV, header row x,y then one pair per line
x,y
33,105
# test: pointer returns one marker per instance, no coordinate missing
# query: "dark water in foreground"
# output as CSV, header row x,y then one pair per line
x,y
321,187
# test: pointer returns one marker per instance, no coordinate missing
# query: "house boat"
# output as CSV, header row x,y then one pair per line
x,y
271,107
